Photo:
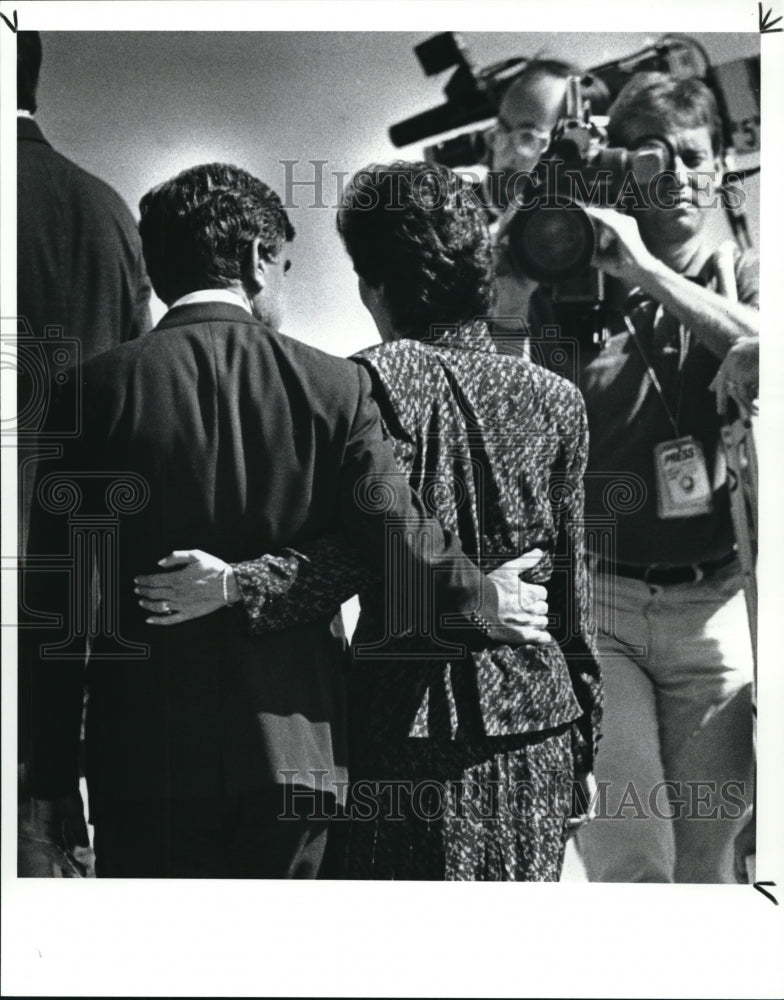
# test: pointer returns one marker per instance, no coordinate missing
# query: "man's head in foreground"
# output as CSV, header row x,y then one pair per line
x,y
217,226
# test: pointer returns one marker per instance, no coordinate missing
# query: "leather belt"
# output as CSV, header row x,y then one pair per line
x,y
664,575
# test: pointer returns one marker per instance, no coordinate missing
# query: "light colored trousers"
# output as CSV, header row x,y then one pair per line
x,y
675,763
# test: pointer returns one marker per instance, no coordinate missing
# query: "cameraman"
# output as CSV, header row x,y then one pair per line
x,y
674,637
529,111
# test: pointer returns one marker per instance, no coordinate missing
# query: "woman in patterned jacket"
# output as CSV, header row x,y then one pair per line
x,y
462,763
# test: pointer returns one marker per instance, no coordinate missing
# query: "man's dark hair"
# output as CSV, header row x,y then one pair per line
x,y
418,230
197,228
28,66
665,103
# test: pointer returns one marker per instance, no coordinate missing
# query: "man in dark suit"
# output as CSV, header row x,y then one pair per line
x,y
217,428
82,289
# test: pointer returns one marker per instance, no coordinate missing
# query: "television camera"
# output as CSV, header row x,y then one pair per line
x,y
551,239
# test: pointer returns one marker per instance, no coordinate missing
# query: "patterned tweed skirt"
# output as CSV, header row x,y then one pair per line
x,y
492,809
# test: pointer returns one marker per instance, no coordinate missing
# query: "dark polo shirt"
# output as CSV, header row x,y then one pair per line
x,y
627,419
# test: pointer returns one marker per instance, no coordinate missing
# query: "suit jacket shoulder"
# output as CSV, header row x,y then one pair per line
x,y
66,179
89,281
227,339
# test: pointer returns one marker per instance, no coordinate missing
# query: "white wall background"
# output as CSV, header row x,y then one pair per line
x,y
135,108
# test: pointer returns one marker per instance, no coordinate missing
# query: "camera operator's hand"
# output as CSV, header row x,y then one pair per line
x,y
718,322
620,251
738,377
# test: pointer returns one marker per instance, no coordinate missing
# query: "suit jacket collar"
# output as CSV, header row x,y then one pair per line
x,y
207,312
28,129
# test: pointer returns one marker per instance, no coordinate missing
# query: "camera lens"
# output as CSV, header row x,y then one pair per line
x,y
552,242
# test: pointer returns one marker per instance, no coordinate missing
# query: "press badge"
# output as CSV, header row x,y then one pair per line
x,y
682,485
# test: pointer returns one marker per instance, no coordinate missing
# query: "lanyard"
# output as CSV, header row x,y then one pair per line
x,y
685,339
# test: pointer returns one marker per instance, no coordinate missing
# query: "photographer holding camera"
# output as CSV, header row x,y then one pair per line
x,y
673,632
529,111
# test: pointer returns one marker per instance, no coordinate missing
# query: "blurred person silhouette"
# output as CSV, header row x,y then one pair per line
x,y
530,109
81,273
82,288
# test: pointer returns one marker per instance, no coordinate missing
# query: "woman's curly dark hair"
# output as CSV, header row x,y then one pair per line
x,y
420,231
197,227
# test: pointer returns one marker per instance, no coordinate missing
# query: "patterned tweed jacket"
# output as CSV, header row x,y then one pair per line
x,y
496,446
